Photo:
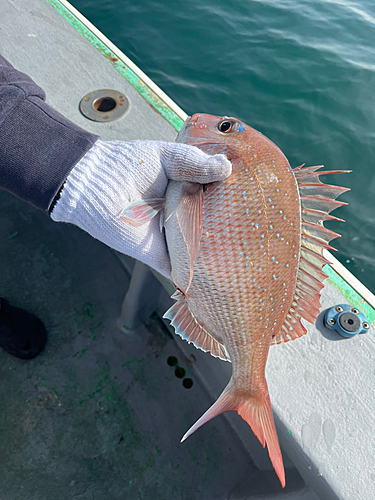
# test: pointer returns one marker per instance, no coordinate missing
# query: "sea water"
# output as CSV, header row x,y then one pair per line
x,y
300,71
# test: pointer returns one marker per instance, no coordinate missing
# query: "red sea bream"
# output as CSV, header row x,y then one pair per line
x,y
246,257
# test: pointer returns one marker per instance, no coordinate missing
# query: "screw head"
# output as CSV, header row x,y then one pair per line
x,y
354,310
331,321
365,325
339,309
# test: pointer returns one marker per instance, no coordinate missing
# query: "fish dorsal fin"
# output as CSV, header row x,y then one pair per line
x,y
189,213
317,201
187,327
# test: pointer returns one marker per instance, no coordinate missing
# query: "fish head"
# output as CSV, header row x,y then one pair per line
x,y
219,134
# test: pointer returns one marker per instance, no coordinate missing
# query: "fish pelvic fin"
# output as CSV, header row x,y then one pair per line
x,y
256,411
189,213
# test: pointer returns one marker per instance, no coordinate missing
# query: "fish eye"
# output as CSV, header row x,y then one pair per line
x,y
225,126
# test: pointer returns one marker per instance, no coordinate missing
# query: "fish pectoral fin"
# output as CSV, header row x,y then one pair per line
x,y
257,412
140,212
187,327
189,213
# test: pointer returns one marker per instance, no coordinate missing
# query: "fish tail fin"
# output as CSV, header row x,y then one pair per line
x,y
257,412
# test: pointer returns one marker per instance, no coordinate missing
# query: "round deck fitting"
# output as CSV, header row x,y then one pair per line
x,y
348,321
104,105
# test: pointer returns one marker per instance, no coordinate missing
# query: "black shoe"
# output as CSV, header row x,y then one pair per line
x,y
22,334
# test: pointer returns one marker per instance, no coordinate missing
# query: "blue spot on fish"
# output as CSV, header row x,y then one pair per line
x,y
273,276
240,128
260,269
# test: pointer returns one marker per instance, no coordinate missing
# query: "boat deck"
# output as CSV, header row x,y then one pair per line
x,y
100,413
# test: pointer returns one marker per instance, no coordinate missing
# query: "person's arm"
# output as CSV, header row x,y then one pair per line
x,y
70,174
38,146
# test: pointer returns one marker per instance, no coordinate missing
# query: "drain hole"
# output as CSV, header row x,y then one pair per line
x,y
27,346
104,104
179,372
187,383
172,360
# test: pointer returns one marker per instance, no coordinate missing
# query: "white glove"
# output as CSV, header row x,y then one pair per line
x,y
114,174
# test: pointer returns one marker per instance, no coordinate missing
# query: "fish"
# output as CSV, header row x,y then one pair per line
x,y
247,257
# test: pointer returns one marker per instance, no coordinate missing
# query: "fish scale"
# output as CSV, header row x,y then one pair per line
x,y
246,257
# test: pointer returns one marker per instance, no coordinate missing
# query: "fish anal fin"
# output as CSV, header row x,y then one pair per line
x,y
140,212
189,213
187,327
257,412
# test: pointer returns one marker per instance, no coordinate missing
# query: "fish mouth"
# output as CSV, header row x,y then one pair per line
x,y
183,131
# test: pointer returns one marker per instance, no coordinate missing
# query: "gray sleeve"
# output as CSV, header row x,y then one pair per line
x,y
38,146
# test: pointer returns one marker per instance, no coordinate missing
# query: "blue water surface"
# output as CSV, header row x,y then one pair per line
x,y
302,72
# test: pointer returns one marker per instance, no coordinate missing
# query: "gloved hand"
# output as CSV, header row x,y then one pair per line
x,y
114,174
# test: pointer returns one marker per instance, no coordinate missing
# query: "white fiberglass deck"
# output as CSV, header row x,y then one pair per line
x,y
99,414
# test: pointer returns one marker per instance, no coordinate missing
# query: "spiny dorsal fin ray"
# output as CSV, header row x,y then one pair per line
x,y
187,327
317,201
319,189
313,177
317,216
318,231
321,203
